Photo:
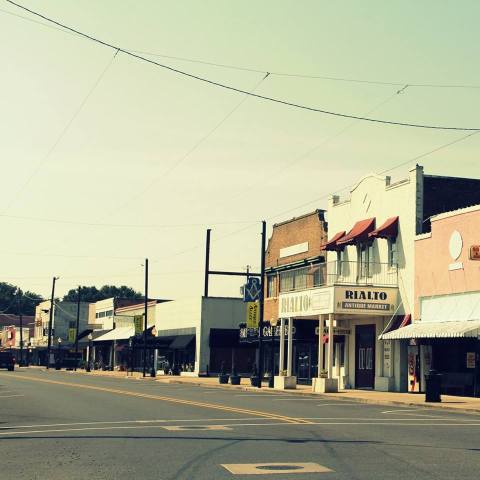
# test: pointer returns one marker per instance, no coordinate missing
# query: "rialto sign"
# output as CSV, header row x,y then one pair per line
x,y
366,300
345,300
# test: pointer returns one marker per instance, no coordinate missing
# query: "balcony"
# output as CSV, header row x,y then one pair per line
x,y
338,273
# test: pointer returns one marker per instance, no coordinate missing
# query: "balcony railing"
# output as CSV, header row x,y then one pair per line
x,y
338,273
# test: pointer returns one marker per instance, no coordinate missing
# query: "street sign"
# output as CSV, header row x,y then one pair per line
x,y
251,290
138,322
253,314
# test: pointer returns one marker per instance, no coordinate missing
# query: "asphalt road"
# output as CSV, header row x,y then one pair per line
x,y
62,425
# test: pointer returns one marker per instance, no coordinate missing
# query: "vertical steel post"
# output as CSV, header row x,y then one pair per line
x,y
261,301
145,321
207,262
19,293
50,321
77,325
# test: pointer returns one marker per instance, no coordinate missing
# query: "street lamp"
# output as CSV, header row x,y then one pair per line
x,y
89,358
59,346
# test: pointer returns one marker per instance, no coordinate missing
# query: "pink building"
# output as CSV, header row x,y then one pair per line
x,y
445,334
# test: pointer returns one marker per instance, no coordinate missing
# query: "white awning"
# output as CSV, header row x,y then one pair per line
x,y
422,329
121,333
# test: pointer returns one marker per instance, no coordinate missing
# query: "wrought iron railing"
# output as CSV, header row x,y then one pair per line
x,y
338,273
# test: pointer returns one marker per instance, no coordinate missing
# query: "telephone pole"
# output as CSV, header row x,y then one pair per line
x,y
77,325
261,301
145,321
50,321
19,311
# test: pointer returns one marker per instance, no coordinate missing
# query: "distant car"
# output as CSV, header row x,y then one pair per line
x,y
7,360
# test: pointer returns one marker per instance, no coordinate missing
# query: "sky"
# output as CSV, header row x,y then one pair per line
x,y
145,160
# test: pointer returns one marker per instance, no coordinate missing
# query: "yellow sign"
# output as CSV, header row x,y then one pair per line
x,y
72,333
253,314
138,321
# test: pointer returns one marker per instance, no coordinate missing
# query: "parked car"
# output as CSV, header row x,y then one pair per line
x,y
7,360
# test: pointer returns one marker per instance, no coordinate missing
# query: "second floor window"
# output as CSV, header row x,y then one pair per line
x,y
271,286
293,280
392,252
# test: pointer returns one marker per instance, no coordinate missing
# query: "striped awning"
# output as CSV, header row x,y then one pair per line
x,y
464,329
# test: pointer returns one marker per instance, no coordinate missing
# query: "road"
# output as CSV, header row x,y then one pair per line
x,y
62,425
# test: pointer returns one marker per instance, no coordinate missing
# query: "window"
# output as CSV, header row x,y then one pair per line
x,y
270,285
293,280
319,275
364,260
392,252
109,313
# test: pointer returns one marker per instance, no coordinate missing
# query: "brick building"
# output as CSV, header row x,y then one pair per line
x,y
294,260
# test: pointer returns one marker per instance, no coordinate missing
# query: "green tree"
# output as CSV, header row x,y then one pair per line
x,y
9,300
93,294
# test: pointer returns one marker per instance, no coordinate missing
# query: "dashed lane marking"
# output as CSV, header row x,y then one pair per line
x,y
10,396
180,401
274,468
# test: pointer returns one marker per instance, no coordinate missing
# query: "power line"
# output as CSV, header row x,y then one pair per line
x,y
118,225
239,90
60,136
272,72
308,76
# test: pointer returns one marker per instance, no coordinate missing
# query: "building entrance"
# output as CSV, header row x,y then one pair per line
x,y
365,356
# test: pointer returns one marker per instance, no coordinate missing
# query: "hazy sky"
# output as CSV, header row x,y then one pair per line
x,y
140,150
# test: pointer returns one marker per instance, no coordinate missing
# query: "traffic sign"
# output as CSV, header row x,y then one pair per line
x,y
251,290
138,322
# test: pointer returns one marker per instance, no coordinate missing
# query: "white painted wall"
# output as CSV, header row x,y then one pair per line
x,y
374,196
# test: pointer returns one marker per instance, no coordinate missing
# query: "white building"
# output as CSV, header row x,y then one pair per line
x,y
368,283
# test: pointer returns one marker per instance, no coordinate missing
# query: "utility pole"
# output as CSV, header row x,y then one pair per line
x,y
76,328
50,321
207,262
145,321
19,311
261,301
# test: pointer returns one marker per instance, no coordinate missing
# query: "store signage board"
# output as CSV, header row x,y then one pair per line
x,y
365,300
312,302
294,250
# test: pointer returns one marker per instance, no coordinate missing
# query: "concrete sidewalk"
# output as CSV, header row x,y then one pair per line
x,y
449,402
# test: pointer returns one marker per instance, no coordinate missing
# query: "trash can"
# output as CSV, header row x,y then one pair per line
x,y
433,385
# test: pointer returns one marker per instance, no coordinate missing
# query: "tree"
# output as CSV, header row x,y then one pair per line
x,y
9,300
93,294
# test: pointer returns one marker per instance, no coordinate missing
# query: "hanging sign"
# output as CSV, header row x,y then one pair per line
x,y
252,289
253,314
72,333
138,322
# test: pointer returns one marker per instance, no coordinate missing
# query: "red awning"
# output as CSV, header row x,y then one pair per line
x,y
332,244
407,320
358,233
388,230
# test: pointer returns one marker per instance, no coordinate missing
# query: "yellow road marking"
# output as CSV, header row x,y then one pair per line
x,y
214,406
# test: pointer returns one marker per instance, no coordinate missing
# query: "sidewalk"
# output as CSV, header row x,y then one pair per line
x,y
449,402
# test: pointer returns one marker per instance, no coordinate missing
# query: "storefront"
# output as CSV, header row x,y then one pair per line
x,y
445,335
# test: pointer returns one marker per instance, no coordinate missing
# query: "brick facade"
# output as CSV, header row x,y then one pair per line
x,y
308,229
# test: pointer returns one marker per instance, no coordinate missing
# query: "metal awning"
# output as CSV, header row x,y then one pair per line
x,y
181,341
464,329
389,229
332,243
121,333
359,233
